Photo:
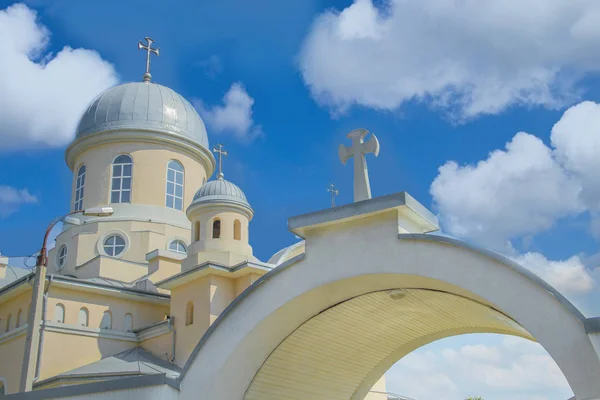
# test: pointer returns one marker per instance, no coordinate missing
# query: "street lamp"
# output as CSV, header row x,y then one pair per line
x,y
33,319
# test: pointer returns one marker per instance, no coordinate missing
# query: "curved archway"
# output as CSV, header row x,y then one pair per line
x,y
304,303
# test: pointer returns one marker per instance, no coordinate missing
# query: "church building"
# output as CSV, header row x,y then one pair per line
x,y
132,293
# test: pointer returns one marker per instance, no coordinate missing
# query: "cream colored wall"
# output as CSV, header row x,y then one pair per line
x,y
84,243
12,307
148,177
82,350
198,292
11,360
243,282
225,249
161,268
378,391
222,293
143,313
161,346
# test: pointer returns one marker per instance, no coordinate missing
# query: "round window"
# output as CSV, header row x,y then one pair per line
x,y
62,256
114,245
178,247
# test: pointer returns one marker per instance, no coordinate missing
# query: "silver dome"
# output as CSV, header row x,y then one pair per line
x,y
143,106
222,192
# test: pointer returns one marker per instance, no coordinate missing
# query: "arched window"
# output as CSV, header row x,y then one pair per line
x,y
59,313
19,318
197,232
178,247
175,185
128,323
216,229
1,325
189,313
121,179
114,245
106,322
79,185
62,256
237,230
8,322
83,319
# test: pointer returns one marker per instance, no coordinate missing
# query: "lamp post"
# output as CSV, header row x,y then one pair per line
x,y
33,319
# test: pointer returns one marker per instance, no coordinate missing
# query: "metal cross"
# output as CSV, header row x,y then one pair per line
x,y
360,147
219,150
334,192
149,50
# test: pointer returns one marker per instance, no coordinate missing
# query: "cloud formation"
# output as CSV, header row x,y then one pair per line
x,y
12,199
467,58
524,189
42,95
510,368
234,116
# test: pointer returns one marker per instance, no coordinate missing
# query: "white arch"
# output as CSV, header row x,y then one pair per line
x,y
254,325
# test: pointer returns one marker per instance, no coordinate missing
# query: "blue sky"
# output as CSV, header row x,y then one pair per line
x,y
435,85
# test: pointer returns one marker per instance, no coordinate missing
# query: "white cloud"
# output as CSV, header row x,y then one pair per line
x,y
510,368
234,116
42,95
568,276
465,57
11,199
514,192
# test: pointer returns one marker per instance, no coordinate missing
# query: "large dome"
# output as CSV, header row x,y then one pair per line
x,y
143,106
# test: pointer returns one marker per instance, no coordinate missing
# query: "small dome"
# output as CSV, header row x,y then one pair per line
x,y
222,192
143,106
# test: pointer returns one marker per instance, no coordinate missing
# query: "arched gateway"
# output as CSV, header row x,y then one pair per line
x,y
370,288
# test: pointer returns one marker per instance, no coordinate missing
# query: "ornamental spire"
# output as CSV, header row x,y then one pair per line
x,y
221,152
149,50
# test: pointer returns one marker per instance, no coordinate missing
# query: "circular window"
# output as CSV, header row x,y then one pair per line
x,y
114,245
62,256
178,247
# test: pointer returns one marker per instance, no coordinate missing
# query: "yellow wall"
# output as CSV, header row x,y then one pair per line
x,y
143,313
161,346
149,173
11,360
12,307
222,293
198,292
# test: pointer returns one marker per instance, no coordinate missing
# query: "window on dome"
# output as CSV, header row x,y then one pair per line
x,y
62,256
83,317
197,231
128,323
178,247
79,184
114,245
237,230
106,322
174,185
216,234
19,318
8,322
121,179
59,313
189,313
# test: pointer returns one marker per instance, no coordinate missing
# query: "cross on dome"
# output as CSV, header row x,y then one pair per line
x,y
219,149
149,50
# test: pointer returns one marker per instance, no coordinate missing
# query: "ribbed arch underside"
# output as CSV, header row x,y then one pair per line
x,y
330,355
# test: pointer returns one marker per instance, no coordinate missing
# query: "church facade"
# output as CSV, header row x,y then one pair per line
x,y
132,293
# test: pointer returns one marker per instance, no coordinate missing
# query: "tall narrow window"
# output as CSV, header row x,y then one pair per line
x,y
216,229
83,318
237,230
79,184
8,322
189,313
128,323
175,185
197,232
62,256
106,322
2,389
59,313
121,179
19,318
